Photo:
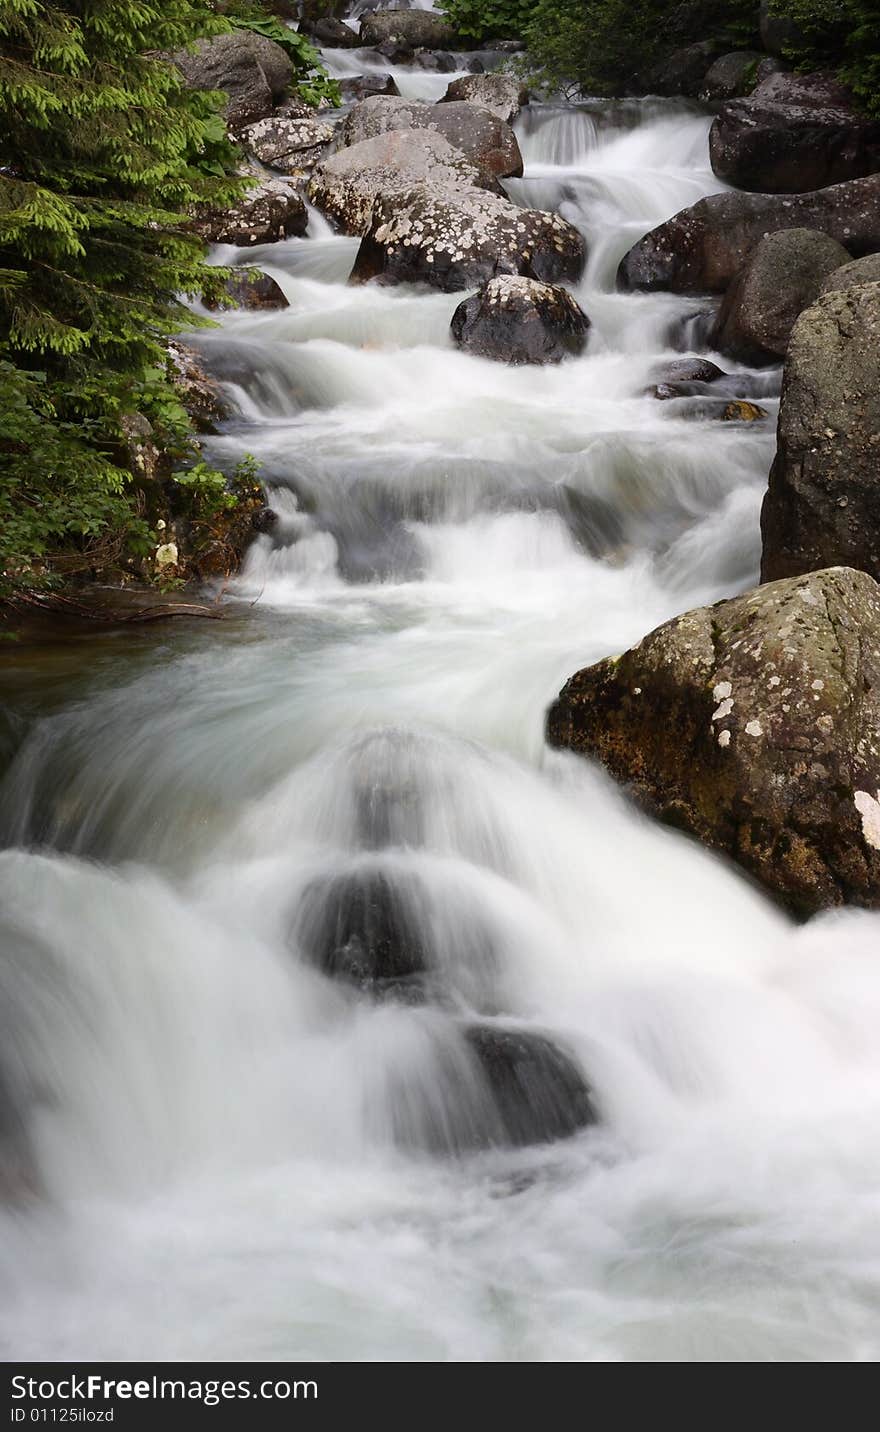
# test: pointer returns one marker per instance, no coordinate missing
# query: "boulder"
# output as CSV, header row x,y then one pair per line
x,y
292,145
249,288
538,1091
360,86
731,76
503,94
866,270
360,926
484,139
417,29
269,210
254,73
440,62
702,248
794,133
346,185
199,394
782,275
821,506
687,370
684,71
518,320
459,238
335,34
774,701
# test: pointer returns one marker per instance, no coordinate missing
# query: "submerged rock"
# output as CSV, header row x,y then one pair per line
x,y
346,185
518,320
701,249
503,94
539,1093
360,926
270,210
774,702
249,288
252,71
485,140
821,506
794,133
461,238
686,370
781,276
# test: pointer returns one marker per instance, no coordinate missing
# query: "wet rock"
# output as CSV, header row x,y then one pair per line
x,y
459,239
774,698
702,248
793,134
688,370
781,276
518,320
821,507
346,185
440,62
292,145
199,394
539,1093
740,411
252,71
335,34
731,76
418,29
485,140
269,210
361,86
360,926
264,521
866,270
249,288
504,95
684,71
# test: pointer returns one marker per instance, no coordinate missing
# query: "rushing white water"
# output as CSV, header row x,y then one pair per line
x,y
214,1150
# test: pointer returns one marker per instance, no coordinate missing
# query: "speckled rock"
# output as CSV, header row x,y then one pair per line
x,y
731,76
866,270
503,94
254,73
794,133
702,248
292,145
518,320
822,506
346,185
484,139
460,238
774,702
199,394
413,28
781,276
270,210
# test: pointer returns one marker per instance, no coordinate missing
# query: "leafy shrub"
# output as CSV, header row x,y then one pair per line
x,y
310,79
841,35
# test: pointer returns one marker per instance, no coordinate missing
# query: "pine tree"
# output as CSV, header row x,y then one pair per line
x,y
102,151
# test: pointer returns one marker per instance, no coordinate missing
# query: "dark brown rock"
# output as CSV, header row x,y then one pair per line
x,y
518,320
702,248
755,726
822,506
249,288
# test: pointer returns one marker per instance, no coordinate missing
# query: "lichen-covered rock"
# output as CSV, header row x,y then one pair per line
x,y
198,393
731,76
703,247
866,270
503,94
755,725
254,73
781,276
821,506
416,29
793,134
249,288
460,238
269,210
484,139
346,185
292,145
518,320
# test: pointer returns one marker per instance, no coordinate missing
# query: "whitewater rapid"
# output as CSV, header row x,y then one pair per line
x,y
207,1129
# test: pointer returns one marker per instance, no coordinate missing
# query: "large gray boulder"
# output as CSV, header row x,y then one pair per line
x,y
702,248
518,320
754,725
270,210
346,185
503,94
793,134
458,238
823,502
866,270
731,76
254,73
416,29
291,145
484,139
782,275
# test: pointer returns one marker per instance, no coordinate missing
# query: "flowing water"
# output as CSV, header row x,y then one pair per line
x,y
213,1150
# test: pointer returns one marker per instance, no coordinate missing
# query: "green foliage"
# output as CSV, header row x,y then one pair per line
x,y
489,19
841,35
310,79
